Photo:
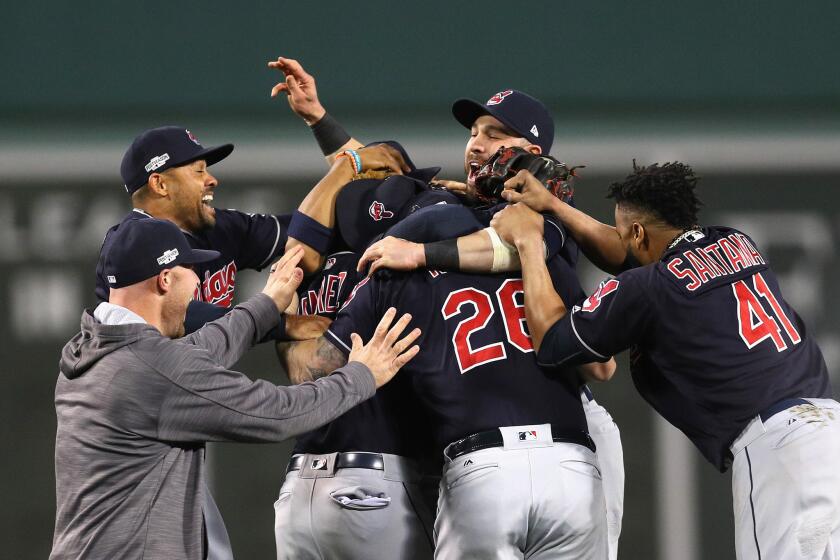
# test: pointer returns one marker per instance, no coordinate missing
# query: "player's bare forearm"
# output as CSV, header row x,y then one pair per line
x,y
305,327
475,253
319,204
543,305
597,371
309,360
598,241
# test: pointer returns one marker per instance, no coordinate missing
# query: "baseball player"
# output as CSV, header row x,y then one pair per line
x,y
715,349
483,251
353,488
375,447
166,173
503,424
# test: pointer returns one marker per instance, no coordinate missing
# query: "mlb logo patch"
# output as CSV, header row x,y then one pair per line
x,y
499,97
530,435
330,263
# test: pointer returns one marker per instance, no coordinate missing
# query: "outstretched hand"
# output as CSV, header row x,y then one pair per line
x,y
299,88
393,253
383,156
385,353
284,279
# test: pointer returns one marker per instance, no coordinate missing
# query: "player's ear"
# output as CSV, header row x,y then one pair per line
x,y
534,149
165,280
640,237
157,184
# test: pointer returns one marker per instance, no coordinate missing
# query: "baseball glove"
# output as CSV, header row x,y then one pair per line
x,y
504,164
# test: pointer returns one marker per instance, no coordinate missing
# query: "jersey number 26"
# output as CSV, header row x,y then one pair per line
x,y
483,310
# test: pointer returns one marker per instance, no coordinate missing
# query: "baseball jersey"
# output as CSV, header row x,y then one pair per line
x,y
476,368
382,424
712,341
245,241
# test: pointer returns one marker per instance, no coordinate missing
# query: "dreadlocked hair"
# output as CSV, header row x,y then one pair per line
x,y
664,191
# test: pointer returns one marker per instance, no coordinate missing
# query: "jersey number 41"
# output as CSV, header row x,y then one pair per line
x,y
756,323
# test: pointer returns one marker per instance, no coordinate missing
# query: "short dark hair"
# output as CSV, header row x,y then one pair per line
x,y
664,191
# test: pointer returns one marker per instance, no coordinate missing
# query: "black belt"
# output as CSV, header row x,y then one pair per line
x,y
356,460
493,438
774,409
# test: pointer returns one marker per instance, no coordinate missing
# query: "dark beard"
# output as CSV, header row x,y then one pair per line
x,y
630,261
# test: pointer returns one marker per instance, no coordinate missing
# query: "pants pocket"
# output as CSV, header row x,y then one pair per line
x,y
582,467
456,478
360,498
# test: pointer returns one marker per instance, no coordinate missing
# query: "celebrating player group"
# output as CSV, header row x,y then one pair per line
x,y
441,351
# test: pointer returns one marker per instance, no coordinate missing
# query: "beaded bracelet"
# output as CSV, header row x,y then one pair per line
x,y
355,160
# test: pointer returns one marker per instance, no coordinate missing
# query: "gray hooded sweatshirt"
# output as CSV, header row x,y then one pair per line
x,y
134,411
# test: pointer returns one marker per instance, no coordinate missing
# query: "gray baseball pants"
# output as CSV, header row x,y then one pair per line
x,y
352,513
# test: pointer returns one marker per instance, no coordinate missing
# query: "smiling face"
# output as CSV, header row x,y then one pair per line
x,y
190,190
487,135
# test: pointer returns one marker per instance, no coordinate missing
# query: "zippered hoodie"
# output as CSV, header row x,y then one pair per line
x,y
134,410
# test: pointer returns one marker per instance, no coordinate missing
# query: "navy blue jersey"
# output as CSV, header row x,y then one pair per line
x,y
476,368
245,241
712,341
382,424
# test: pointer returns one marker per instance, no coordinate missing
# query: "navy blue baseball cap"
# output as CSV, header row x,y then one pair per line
x,y
424,174
520,112
367,208
162,148
142,248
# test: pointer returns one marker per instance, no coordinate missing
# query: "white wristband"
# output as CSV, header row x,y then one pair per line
x,y
503,253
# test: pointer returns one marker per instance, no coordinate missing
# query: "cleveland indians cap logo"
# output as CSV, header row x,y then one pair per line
x,y
499,97
192,137
378,212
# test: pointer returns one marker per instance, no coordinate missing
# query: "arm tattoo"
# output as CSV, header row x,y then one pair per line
x,y
326,360
309,360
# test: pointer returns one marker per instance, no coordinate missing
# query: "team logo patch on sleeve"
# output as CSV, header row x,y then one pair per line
x,y
594,301
499,97
378,212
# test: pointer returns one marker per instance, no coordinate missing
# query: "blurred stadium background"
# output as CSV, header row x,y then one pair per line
x,y
746,92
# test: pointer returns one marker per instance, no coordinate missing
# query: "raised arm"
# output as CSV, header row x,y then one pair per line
x,y
598,241
302,94
317,211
